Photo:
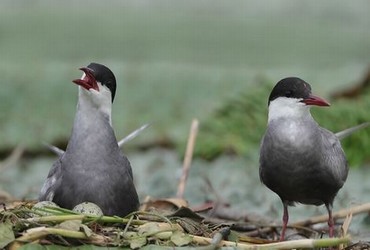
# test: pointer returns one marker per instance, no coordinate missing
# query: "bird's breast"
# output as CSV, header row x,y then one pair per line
x,y
292,135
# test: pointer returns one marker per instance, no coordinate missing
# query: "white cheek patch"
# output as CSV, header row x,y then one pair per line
x,y
287,107
102,99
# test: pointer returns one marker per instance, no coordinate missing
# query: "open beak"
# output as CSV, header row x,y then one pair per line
x,y
88,81
315,100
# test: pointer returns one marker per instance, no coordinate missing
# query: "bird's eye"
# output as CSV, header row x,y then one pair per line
x,y
289,93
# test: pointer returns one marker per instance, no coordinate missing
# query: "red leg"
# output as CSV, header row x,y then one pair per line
x,y
330,220
285,221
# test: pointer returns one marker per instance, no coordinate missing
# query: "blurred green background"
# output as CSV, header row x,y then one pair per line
x,y
175,60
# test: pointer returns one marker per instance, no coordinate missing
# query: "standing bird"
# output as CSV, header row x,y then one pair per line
x,y
93,168
299,160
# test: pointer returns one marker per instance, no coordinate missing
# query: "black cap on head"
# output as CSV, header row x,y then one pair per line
x,y
292,87
105,76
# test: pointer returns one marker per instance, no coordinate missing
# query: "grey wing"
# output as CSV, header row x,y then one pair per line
x,y
52,182
126,164
267,157
334,156
262,158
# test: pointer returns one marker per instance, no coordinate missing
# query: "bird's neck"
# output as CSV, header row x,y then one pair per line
x,y
292,125
91,127
279,110
89,107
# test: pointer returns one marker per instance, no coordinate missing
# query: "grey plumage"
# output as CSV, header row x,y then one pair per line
x,y
58,151
309,167
93,167
347,132
132,135
129,137
299,160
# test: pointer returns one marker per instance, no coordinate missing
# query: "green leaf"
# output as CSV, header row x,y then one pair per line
x,y
137,242
180,238
86,230
6,233
58,247
233,236
149,228
73,225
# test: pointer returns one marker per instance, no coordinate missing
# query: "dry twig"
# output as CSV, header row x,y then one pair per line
x,y
337,215
364,208
13,158
188,157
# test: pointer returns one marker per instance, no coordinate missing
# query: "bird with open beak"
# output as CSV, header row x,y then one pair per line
x,y
93,168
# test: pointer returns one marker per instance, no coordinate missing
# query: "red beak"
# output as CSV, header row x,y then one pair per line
x,y
88,82
315,100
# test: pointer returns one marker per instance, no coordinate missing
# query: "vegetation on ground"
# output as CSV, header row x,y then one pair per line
x,y
169,225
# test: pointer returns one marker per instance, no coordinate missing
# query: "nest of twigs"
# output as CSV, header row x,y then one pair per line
x,y
163,224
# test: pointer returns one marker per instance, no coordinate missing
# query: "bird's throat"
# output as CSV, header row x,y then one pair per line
x,y
91,105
